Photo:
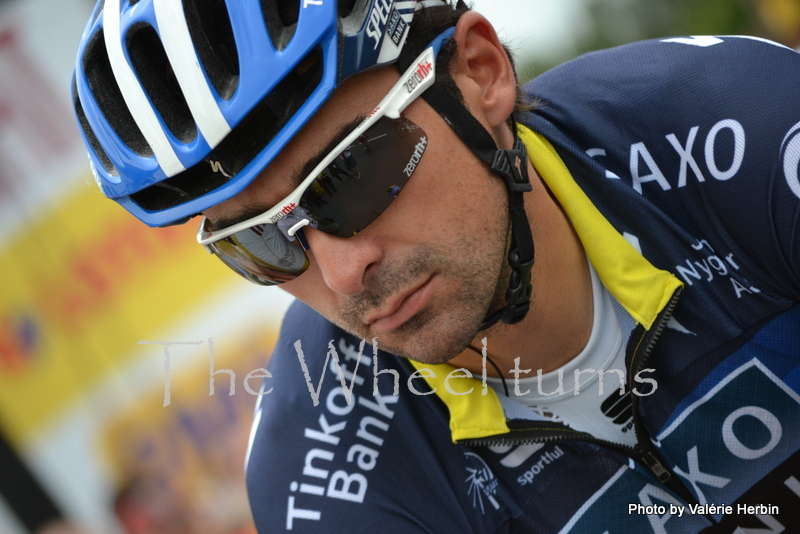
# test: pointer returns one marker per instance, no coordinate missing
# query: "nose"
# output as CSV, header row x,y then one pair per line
x,y
343,262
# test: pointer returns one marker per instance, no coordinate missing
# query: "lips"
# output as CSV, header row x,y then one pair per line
x,y
401,308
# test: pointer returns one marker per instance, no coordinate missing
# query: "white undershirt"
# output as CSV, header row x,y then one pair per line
x,y
555,394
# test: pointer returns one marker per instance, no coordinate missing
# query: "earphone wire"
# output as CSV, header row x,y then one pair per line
x,y
496,368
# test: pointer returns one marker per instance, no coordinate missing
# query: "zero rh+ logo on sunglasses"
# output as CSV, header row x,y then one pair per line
x,y
283,213
416,156
423,69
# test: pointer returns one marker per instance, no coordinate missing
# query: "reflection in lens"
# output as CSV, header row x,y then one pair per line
x,y
358,186
262,254
271,247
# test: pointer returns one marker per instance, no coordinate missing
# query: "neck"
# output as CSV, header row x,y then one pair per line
x,y
559,322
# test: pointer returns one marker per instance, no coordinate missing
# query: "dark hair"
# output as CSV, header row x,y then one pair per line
x,y
428,23
432,21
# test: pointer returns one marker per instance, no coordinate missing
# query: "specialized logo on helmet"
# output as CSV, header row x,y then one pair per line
x,y
423,69
419,150
216,166
482,482
377,20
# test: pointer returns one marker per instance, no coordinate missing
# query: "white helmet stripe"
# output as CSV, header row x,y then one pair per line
x,y
422,4
183,59
134,96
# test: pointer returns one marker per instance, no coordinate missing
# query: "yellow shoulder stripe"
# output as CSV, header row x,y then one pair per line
x,y
642,289
473,414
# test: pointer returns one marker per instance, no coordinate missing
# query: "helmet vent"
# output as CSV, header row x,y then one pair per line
x,y
242,144
210,27
89,133
109,99
352,14
347,7
152,66
281,20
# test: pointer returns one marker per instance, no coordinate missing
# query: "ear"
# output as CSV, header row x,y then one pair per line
x,y
483,72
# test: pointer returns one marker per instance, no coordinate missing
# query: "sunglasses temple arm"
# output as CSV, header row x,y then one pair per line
x,y
418,77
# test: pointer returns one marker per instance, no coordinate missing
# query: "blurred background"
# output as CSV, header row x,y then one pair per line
x,y
107,328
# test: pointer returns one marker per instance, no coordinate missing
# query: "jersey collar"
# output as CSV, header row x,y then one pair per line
x,y
642,289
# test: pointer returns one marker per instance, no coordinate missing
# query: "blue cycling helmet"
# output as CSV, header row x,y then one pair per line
x,y
182,103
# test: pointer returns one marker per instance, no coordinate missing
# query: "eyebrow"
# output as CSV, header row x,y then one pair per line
x,y
249,211
244,214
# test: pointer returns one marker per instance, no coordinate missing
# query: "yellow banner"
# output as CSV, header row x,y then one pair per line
x,y
183,462
80,287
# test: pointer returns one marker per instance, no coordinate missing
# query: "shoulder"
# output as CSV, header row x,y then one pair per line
x,y
654,87
660,83
703,130
679,61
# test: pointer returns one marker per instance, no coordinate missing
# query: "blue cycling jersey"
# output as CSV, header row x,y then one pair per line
x,y
678,164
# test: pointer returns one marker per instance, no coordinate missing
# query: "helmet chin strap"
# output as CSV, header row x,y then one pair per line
x,y
512,166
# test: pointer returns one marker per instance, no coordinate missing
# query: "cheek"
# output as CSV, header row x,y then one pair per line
x,y
310,288
455,190
307,287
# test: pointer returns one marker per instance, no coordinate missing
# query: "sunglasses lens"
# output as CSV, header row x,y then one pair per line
x,y
364,179
262,254
344,199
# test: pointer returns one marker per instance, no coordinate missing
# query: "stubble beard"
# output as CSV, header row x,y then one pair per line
x,y
468,287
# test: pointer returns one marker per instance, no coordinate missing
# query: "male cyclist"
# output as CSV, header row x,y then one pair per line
x,y
643,363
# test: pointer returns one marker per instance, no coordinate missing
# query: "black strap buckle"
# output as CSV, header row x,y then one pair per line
x,y
513,166
518,294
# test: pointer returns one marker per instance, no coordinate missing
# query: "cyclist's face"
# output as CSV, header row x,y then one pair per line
x,y
422,276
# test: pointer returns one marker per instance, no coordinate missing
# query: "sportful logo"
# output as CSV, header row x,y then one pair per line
x,y
537,467
481,482
418,151
423,69
619,408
